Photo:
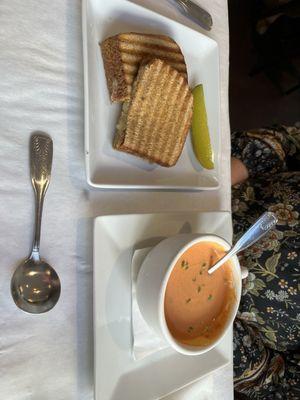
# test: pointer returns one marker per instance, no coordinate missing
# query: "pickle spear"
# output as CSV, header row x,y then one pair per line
x,y
200,133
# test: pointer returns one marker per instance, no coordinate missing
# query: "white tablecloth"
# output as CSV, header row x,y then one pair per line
x,y
50,356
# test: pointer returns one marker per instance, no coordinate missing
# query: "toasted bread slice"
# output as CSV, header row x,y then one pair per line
x,y
155,122
122,55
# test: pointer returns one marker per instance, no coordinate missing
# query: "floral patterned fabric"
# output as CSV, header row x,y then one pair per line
x,y
267,327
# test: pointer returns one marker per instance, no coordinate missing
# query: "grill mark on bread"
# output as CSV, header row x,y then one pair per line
x,y
130,69
148,48
136,58
144,123
172,125
163,84
132,64
169,96
158,40
180,103
143,140
187,104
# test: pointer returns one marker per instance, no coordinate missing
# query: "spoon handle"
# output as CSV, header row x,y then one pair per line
x,y
41,153
266,222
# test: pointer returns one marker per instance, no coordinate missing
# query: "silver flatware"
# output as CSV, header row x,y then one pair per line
x,y
195,12
35,286
265,223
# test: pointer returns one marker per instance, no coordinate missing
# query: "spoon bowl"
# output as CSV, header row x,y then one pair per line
x,y
35,286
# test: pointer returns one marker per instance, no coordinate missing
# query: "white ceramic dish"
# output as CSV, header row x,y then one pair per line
x,y
108,168
153,279
117,375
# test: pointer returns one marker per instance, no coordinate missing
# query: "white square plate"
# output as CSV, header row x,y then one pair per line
x,y
117,375
108,168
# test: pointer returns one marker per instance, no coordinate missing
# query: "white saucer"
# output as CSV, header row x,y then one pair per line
x,y
117,375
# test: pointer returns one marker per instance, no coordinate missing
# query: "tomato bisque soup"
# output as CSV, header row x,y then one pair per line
x,y
197,304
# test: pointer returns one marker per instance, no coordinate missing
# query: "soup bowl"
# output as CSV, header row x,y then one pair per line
x,y
153,278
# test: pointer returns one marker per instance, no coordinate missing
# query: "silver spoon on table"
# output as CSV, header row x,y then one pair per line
x,y
35,286
263,225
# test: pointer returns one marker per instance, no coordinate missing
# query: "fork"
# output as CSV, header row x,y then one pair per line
x,y
195,12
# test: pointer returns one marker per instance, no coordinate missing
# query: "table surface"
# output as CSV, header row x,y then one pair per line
x,y
41,88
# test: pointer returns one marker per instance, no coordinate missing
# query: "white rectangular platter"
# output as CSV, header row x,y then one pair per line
x,y
117,375
111,169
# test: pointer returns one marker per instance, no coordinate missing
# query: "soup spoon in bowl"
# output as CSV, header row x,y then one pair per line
x,y
35,286
264,224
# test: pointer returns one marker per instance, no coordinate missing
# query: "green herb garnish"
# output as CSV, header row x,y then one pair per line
x,y
210,297
184,264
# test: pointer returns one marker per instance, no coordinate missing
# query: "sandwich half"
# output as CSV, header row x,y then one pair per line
x,y
122,55
155,122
